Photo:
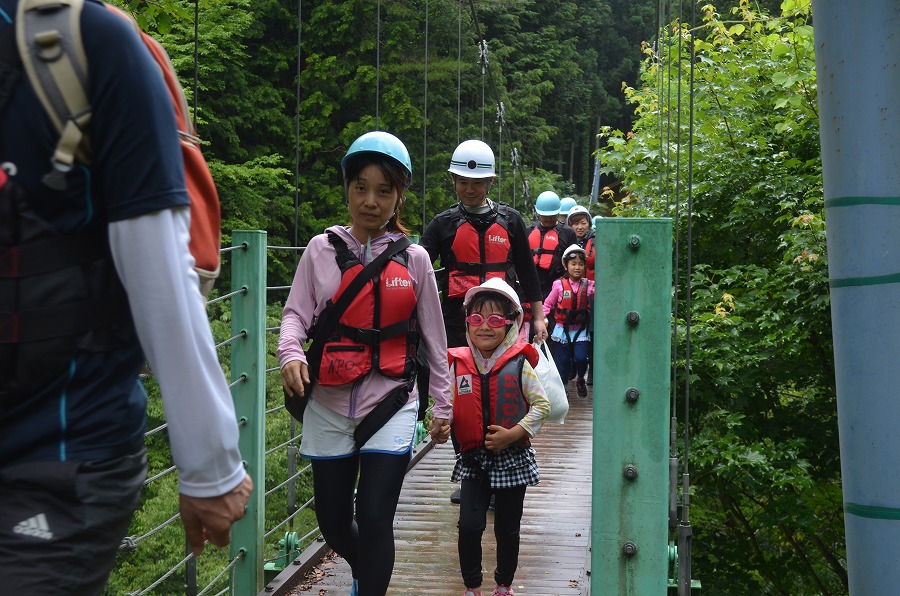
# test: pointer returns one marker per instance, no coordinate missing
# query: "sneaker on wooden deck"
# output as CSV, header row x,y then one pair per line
x,y
581,387
472,593
503,591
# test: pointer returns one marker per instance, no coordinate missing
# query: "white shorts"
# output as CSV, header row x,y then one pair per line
x,y
327,434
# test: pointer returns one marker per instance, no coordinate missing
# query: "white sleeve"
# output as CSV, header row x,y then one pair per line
x,y
153,261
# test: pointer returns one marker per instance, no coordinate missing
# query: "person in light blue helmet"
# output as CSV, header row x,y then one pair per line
x,y
565,205
547,239
357,475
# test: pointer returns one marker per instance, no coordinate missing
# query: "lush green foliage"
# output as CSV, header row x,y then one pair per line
x,y
766,499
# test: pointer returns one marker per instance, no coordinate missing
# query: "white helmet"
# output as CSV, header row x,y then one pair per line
x,y
573,249
472,159
577,210
498,285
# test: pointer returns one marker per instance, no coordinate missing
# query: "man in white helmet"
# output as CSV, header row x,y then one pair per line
x,y
478,239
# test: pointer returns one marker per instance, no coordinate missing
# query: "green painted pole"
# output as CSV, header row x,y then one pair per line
x,y
632,359
248,376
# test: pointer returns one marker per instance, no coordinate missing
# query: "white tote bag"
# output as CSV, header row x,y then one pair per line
x,y
552,382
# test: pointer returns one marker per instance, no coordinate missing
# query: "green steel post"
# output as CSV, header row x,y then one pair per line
x,y
632,337
248,364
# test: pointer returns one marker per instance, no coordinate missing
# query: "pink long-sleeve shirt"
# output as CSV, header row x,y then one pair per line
x,y
556,295
316,281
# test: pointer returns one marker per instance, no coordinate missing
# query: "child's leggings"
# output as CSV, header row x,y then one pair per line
x,y
473,507
562,354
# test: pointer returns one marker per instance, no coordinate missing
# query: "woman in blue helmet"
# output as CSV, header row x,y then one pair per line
x,y
360,370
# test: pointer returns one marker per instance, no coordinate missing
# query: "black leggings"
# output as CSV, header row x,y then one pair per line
x,y
473,508
366,542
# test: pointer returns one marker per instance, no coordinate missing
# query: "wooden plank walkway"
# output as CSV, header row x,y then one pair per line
x,y
554,556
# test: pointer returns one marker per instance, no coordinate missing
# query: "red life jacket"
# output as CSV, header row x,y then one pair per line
x,y
478,257
543,246
500,390
589,250
378,330
572,308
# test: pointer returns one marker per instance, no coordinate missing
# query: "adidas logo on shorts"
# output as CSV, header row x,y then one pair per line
x,y
36,526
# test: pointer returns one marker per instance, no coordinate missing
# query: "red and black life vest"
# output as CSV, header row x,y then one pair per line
x,y
589,251
543,245
493,398
479,256
59,293
378,330
572,308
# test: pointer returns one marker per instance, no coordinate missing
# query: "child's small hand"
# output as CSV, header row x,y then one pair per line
x,y
440,430
499,438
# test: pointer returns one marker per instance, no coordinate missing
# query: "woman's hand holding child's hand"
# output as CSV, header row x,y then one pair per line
x,y
440,430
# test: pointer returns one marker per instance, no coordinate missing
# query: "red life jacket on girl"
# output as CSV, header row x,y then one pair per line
x,y
378,330
572,308
494,398
543,246
478,257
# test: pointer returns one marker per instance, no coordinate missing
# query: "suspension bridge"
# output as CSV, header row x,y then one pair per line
x,y
629,541
612,449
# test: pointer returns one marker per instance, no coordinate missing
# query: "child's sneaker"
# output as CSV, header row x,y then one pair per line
x,y
472,593
503,591
581,387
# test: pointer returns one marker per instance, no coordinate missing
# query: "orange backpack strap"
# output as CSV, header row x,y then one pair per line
x,y
206,216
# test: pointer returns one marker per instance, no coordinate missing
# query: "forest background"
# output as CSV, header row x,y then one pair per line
x,y
704,113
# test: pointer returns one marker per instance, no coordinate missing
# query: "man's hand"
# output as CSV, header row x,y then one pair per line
x,y
540,330
293,376
440,430
210,518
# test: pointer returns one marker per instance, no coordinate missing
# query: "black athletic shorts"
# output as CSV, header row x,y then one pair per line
x,y
61,523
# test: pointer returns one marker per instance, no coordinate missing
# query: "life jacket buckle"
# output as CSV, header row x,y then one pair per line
x,y
56,177
367,336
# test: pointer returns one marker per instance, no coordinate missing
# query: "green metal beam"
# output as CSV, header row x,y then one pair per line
x,y
248,366
632,359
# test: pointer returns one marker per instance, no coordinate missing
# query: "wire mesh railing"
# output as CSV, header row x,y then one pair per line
x,y
154,558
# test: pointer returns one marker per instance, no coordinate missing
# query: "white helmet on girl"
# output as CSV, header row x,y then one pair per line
x,y
472,159
572,251
498,285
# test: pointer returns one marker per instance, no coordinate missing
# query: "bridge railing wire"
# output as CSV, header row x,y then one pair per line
x,y
147,562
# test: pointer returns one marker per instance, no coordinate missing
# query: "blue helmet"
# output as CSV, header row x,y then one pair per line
x,y
384,143
547,203
566,204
